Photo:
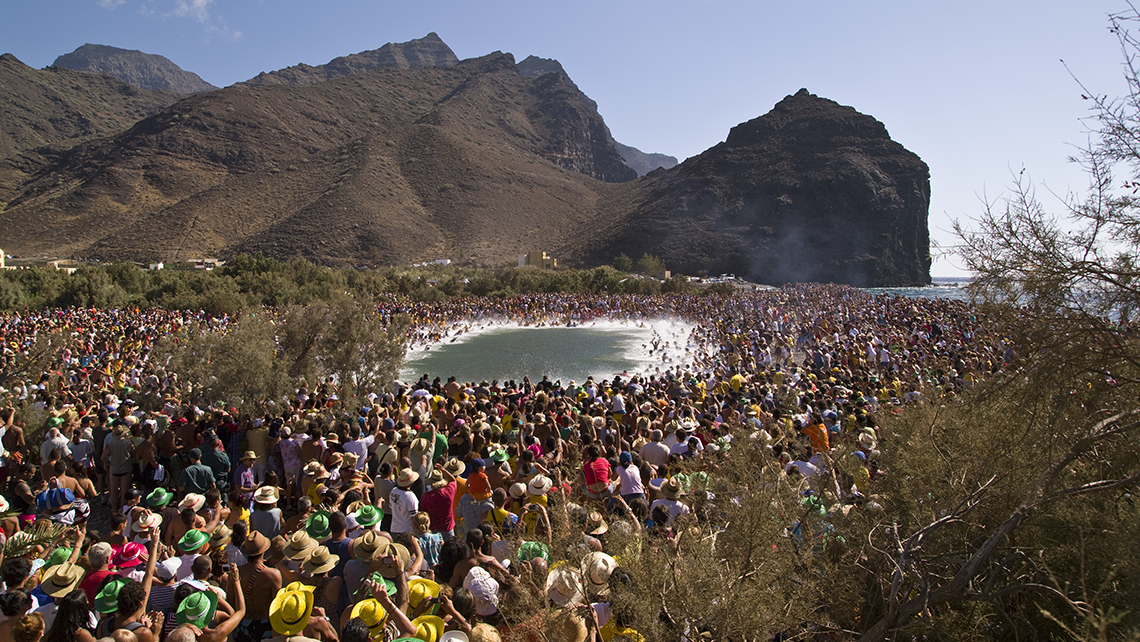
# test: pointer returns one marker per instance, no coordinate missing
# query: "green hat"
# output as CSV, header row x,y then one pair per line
x,y
192,541
55,422
197,609
531,550
499,455
107,601
58,556
367,516
389,585
159,498
317,526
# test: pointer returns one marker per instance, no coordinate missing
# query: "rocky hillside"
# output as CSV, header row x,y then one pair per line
x,y
428,51
643,163
142,70
474,161
811,191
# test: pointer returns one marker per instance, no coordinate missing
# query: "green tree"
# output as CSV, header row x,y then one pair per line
x,y
622,263
650,265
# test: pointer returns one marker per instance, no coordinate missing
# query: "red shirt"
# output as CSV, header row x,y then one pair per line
x,y
93,582
437,504
597,472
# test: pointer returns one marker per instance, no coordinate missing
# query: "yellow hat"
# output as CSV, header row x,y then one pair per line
x,y
373,614
428,627
420,588
290,610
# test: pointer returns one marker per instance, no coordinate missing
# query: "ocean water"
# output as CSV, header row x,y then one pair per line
x,y
509,351
941,288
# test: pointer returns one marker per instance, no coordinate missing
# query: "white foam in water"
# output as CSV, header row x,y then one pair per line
x,y
671,333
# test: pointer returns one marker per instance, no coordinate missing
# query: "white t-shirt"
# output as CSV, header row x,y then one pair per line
x,y
674,507
402,504
630,477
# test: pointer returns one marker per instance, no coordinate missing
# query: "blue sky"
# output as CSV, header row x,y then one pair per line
x,y
977,89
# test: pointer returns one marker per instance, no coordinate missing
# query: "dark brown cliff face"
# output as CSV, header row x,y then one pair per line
x,y
428,51
811,191
138,69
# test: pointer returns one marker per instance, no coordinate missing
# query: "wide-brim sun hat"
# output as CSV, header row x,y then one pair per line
x,y
407,477
221,536
540,485
248,456
159,498
61,579
366,547
499,455
597,567
265,495
147,521
107,600
320,561
530,550
255,544
299,546
455,467
193,501
372,613
596,524
517,490
198,609
564,586
673,488
317,525
428,627
367,515
454,636
400,556
291,607
420,588
130,555
193,540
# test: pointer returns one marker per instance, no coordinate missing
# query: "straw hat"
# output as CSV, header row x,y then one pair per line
x,y
436,480
484,632
672,489
596,524
540,485
420,588
597,568
221,536
312,468
349,460
407,477
364,548
290,610
517,490
265,495
148,521
320,561
455,467
299,546
335,459
61,579
454,636
400,559
373,614
197,609
193,501
564,586
428,627
317,525
193,540
248,456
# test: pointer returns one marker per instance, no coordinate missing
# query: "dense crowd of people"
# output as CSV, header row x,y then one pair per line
x,y
435,509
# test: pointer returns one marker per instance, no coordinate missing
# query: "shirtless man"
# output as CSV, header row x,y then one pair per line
x,y
146,454
313,449
47,468
259,584
63,480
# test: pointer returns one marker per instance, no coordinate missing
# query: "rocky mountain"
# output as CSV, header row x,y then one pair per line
x,y
475,161
811,191
643,163
44,111
142,70
429,51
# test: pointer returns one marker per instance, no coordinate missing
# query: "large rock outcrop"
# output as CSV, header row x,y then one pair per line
x,y
811,191
429,51
138,69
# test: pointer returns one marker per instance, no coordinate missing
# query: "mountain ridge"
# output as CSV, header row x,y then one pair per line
x,y
143,70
